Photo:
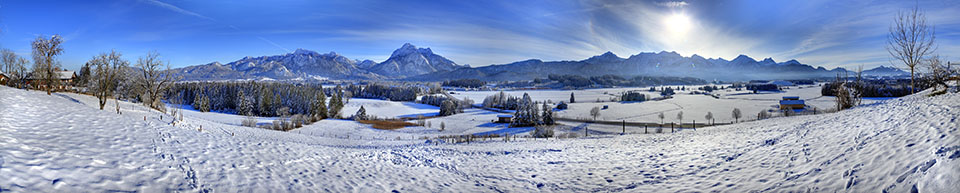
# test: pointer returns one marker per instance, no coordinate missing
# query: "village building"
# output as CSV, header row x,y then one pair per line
x,y
504,118
65,78
792,102
4,78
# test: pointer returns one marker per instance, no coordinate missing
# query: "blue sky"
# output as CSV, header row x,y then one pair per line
x,y
818,32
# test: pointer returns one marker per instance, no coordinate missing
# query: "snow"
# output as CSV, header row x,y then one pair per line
x,y
389,109
694,106
62,143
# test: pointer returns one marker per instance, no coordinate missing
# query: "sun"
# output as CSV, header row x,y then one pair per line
x,y
677,23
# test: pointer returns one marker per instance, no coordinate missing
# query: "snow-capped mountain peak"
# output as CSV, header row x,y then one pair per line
x,y
409,60
301,51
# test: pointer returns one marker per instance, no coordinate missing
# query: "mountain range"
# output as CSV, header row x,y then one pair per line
x,y
421,64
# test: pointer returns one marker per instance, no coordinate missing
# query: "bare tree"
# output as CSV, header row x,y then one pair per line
x,y
106,74
45,52
844,96
14,67
709,117
939,74
153,80
680,117
594,112
910,39
661,116
737,114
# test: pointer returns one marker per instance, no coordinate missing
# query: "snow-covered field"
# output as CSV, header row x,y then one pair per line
x,y
389,109
62,143
693,106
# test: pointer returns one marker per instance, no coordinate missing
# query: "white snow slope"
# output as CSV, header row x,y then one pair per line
x,y
60,143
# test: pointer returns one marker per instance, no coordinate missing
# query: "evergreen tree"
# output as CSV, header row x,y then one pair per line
x,y
526,113
336,102
572,100
361,114
319,105
547,115
265,102
205,104
244,107
196,100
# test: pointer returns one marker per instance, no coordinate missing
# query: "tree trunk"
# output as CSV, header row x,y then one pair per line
x,y
912,84
103,101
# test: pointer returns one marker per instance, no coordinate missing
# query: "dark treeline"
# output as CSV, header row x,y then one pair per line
x,y
466,83
385,92
874,89
633,96
614,80
501,100
280,99
448,106
256,98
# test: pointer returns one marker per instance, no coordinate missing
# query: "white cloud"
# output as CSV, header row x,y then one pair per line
x,y
174,8
673,4
274,44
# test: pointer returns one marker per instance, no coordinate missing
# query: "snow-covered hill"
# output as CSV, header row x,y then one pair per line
x,y
61,143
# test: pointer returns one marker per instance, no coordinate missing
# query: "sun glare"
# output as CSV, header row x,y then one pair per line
x,y
677,23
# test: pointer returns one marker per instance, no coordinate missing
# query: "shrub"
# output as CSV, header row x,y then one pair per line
x,y
542,131
298,120
763,115
249,121
667,92
568,135
448,108
633,96
562,105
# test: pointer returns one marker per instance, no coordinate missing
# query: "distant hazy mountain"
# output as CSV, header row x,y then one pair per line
x,y
885,71
421,64
305,64
651,64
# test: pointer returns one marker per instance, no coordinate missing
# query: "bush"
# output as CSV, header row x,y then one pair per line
x,y
763,115
542,131
562,105
633,96
298,120
249,121
448,108
667,92
568,135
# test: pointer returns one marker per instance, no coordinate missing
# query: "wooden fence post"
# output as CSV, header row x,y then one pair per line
x,y
694,124
671,128
644,129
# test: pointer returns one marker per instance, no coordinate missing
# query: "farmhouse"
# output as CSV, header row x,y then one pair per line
x,y
65,77
3,78
792,102
504,118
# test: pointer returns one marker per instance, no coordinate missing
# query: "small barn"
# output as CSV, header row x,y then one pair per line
x,y
504,118
792,102
3,78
